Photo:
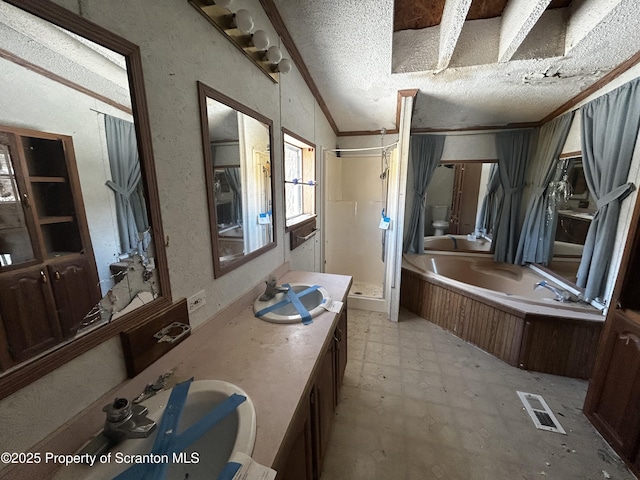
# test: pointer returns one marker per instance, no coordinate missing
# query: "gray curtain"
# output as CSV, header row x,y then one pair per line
x,y
536,238
609,131
425,152
131,210
488,213
235,183
514,152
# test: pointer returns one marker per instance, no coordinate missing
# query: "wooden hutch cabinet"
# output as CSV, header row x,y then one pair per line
x,y
613,398
48,276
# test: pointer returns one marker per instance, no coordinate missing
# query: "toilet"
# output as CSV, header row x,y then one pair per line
x,y
439,215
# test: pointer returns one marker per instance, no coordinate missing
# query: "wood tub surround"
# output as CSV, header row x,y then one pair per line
x,y
537,342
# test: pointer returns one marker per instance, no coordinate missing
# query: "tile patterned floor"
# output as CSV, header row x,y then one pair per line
x,y
418,403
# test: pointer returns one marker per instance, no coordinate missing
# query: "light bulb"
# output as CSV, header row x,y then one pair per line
x,y
274,55
284,66
243,21
223,3
260,40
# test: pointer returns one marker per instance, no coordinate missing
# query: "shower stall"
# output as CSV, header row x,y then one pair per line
x,y
364,198
358,185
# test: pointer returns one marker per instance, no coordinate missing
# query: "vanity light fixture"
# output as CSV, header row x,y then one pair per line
x,y
284,66
237,28
243,21
260,40
273,55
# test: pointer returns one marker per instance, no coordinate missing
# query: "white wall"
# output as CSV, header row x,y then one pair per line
x,y
178,47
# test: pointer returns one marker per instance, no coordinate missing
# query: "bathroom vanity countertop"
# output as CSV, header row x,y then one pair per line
x,y
273,363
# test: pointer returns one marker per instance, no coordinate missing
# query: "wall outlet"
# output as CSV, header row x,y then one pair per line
x,y
194,302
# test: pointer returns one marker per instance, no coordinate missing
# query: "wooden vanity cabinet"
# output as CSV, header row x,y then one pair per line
x,y
306,444
48,276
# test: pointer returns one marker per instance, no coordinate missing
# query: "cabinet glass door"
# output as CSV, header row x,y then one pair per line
x,y
15,241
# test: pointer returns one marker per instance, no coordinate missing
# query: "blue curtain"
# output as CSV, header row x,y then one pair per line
x,y
124,163
609,132
514,153
538,232
425,154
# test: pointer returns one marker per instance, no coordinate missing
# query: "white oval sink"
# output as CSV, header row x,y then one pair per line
x,y
203,459
287,311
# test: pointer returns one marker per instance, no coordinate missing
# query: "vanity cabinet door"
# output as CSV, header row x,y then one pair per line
x,y
340,337
75,288
323,403
299,462
616,410
28,312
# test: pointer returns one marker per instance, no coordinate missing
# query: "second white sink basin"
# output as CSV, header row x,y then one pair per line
x,y
287,312
203,459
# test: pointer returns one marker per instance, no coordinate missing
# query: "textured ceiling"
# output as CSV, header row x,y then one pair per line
x,y
348,47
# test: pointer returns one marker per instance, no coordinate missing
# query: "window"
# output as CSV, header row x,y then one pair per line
x,y
300,179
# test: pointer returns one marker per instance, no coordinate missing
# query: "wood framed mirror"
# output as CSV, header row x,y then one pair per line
x,y
236,142
82,254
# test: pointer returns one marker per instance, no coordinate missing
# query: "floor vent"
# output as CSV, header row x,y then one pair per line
x,y
542,416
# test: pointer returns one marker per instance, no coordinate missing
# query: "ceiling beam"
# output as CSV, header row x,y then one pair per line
x,y
453,17
518,18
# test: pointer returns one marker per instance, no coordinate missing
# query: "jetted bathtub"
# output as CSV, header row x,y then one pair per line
x,y
496,307
463,243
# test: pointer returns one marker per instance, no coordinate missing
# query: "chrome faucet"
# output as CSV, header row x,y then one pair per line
x,y
272,289
126,420
561,295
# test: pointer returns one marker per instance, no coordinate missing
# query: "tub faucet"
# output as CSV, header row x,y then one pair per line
x,y
561,295
272,289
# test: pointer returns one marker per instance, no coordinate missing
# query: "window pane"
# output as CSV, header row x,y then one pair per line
x,y
293,170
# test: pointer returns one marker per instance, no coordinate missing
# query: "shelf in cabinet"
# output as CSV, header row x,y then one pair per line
x,y
41,179
51,220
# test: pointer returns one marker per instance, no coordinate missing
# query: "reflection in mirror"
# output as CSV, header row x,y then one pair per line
x,y
454,200
571,208
237,150
76,209
454,196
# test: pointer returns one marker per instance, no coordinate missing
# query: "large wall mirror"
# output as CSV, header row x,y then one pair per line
x,y
81,245
457,195
238,160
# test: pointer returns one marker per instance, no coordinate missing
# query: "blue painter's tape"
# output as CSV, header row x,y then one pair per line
x,y
229,471
166,430
287,301
304,313
211,419
273,307
169,442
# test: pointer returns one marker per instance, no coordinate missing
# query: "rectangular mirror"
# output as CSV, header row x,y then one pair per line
x,y
238,159
81,246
